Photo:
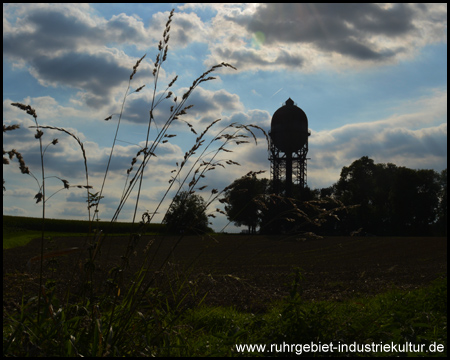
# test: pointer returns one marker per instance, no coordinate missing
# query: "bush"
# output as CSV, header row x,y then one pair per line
x,y
187,214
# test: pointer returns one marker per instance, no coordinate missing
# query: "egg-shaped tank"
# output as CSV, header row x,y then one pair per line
x,y
289,128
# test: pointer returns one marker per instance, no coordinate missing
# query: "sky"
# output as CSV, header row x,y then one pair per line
x,y
371,78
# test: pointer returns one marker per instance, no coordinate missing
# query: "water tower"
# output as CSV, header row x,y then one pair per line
x,y
288,148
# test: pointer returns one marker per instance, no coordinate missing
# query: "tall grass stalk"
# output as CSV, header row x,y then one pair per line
x,y
40,196
105,329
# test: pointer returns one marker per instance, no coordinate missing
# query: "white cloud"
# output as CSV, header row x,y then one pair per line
x,y
185,29
65,47
14,211
294,35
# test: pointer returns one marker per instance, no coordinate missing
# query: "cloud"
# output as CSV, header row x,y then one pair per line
x,y
186,28
329,24
14,211
45,29
63,47
97,75
244,58
126,29
208,105
296,35
256,117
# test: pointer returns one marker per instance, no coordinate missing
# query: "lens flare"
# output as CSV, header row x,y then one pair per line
x,y
258,39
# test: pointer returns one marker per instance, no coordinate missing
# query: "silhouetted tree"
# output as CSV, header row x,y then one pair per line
x,y
392,200
244,199
187,214
414,201
326,192
356,186
442,209
279,215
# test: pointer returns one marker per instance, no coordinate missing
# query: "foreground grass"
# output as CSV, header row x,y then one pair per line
x,y
159,329
418,317
12,239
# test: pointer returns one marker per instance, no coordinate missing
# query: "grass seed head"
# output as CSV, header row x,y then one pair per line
x,y
29,110
173,81
10,127
136,66
139,88
38,134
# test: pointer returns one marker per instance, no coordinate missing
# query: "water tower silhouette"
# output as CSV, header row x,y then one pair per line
x,y
288,148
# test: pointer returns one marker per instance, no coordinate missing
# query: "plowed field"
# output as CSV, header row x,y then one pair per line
x,y
248,272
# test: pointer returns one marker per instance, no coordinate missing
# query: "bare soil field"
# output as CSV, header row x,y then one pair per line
x,y
248,272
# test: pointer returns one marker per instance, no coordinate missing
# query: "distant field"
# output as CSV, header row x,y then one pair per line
x,y
249,272
18,230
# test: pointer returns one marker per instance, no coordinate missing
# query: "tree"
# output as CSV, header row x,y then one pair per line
x,y
414,200
243,198
391,200
187,214
442,209
356,186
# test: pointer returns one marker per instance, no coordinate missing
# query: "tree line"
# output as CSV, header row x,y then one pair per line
x,y
368,198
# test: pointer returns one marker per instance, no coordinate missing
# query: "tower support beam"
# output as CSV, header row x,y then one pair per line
x,y
288,170
288,149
